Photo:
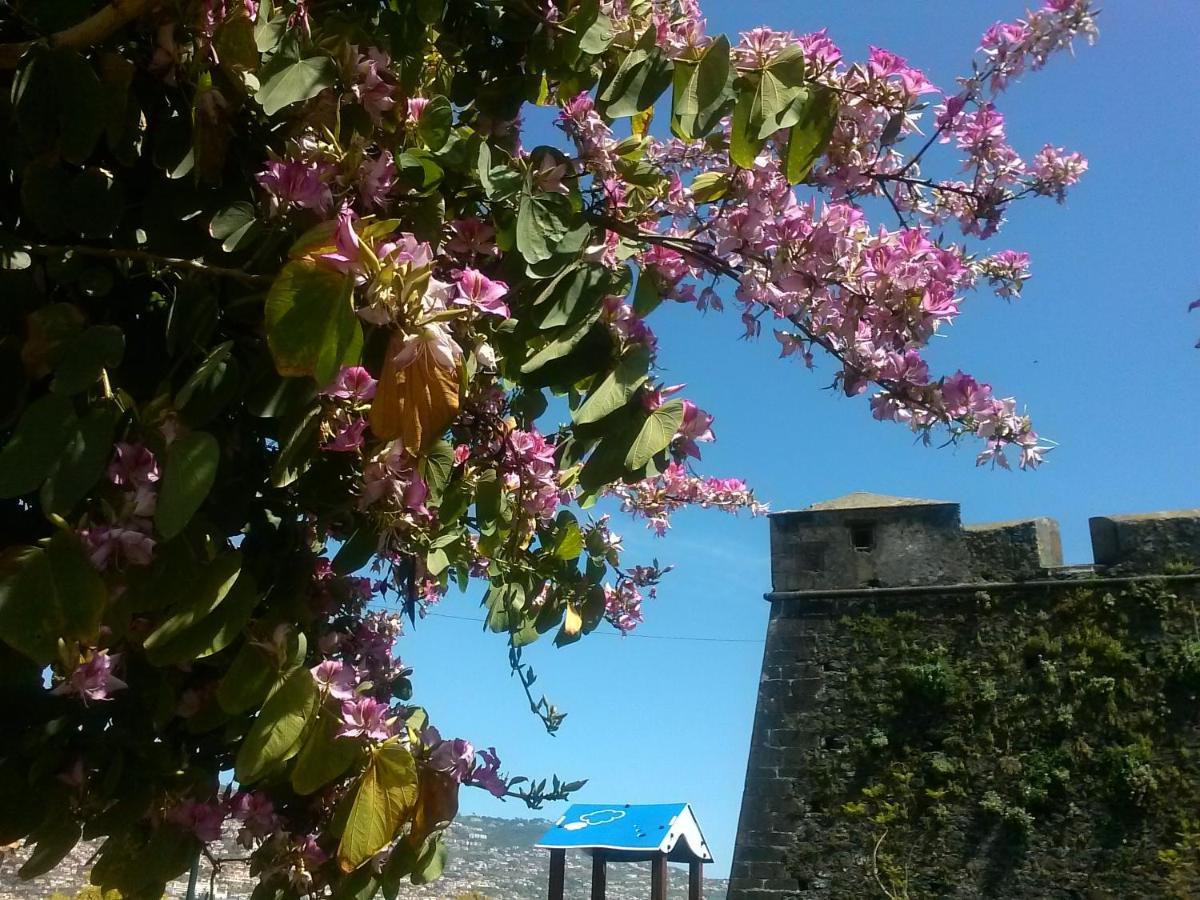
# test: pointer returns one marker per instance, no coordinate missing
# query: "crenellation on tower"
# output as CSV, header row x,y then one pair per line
x,y
872,553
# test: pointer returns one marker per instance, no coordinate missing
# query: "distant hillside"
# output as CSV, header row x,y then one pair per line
x,y
493,857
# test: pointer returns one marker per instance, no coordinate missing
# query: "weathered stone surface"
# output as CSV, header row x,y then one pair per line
x,y
1150,542
886,554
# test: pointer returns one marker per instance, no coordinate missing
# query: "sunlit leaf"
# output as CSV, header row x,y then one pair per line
x,y
656,434
274,738
187,477
383,802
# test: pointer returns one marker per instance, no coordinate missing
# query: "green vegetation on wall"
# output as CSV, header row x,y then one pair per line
x,y
1045,744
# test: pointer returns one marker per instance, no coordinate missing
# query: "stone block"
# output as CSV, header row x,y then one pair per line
x,y
1148,543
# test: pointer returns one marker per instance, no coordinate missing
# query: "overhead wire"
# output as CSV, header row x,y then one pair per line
x,y
648,637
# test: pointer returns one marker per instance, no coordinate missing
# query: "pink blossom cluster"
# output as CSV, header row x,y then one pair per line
x,y
530,471
460,760
1011,47
127,538
654,499
391,481
345,423
92,679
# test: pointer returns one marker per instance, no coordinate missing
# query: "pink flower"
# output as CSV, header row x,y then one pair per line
x,y
487,776
416,108
365,717
434,339
92,679
353,383
377,179
297,183
472,237
335,678
548,176
255,810
1054,170
696,427
348,438
455,757
372,91
476,289
132,465
109,545
204,820
346,257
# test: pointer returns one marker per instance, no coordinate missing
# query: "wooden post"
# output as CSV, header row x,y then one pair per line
x,y
599,876
558,874
658,877
695,880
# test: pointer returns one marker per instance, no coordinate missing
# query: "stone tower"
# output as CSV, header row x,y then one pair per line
x,y
872,551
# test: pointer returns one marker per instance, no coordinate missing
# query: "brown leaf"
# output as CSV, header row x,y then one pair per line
x,y
416,403
437,805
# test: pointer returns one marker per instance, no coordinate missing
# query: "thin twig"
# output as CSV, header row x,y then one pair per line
x,y
92,30
166,262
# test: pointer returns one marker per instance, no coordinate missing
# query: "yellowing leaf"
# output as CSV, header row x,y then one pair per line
x,y
641,121
415,403
572,622
383,802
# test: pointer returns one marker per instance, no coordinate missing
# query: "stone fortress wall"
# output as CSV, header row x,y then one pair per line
x,y
867,551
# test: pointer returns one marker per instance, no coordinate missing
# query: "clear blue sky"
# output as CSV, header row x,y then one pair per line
x,y
1099,348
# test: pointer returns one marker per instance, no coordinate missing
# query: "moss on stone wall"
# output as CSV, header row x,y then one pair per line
x,y
1025,745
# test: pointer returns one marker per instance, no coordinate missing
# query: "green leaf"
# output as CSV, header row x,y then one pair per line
x,y
540,225
211,388
566,341
643,75
295,81
41,436
99,347
299,442
274,738
810,135
214,611
648,295
187,478
656,434
357,551
436,467
436,123
324,756
432,863
97,201
59,103
49,593
200,594
617,389
598,37
235,226
709,187
248,679
569,538
311,325
701,91
383,802
82,461
575,296
53,844
744,142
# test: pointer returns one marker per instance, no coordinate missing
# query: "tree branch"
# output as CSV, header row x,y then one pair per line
x,y
166,262
91,30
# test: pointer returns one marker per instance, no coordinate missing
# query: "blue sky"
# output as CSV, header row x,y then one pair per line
x,y
1099,348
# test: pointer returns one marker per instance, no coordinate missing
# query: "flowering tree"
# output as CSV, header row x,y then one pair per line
x,y
288,297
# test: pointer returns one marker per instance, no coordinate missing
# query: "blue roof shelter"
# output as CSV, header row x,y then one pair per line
x,y
621,832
